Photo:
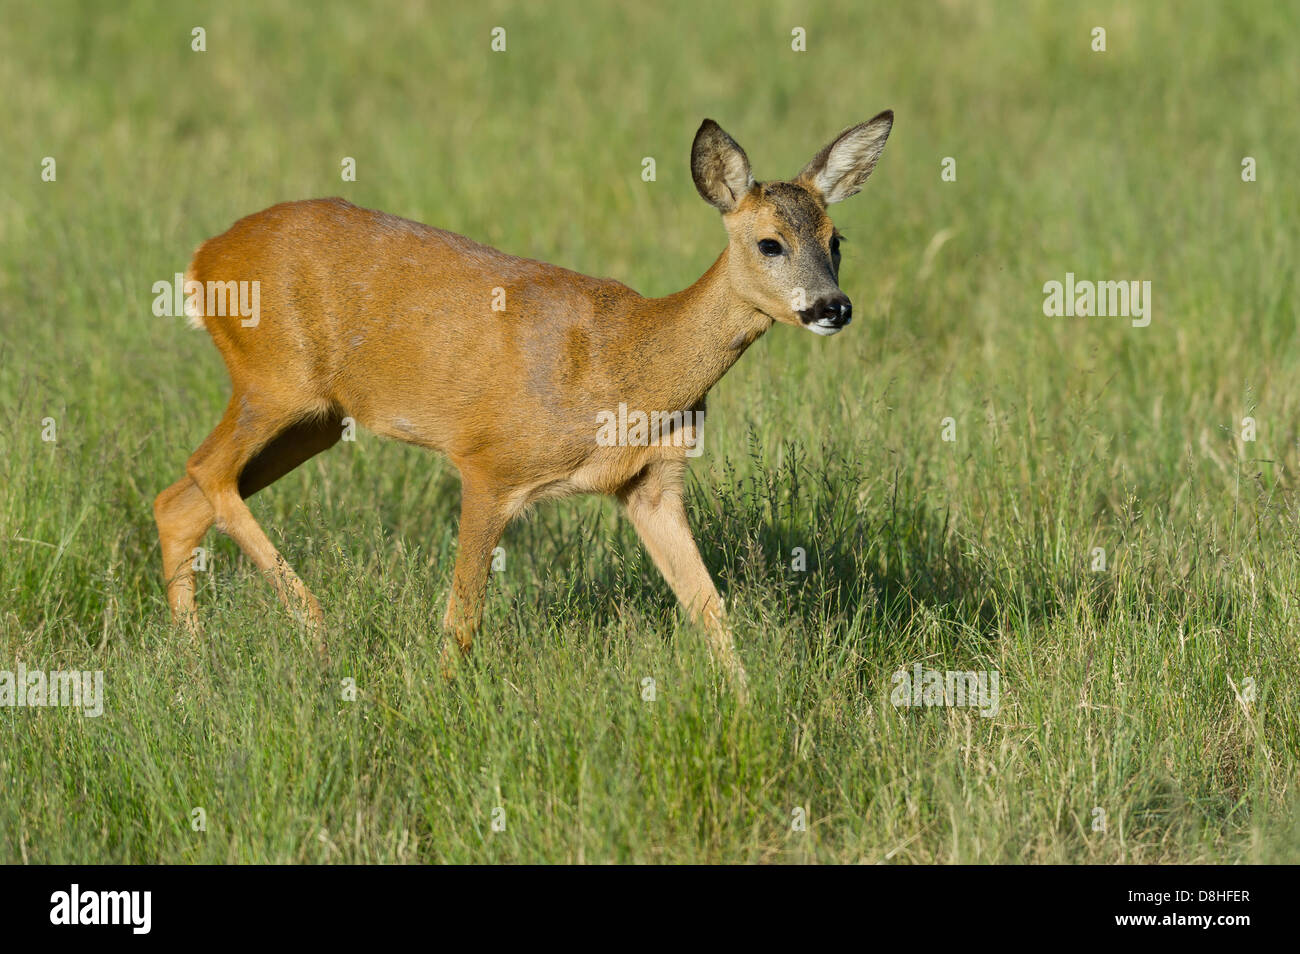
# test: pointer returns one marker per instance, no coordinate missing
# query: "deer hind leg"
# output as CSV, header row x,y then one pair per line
x,y
183,516
249,449
483,518
655,506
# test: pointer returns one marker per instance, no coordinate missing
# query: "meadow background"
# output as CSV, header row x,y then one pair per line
x,y
1162,691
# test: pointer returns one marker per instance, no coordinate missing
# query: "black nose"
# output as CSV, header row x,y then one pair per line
x,y
833,312
837,311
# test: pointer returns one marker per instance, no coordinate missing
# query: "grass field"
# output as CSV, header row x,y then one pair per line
x,y
1149,712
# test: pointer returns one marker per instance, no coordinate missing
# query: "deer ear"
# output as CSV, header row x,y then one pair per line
x,y
719,167
839,170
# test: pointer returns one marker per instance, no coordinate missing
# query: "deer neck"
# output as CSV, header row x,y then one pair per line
x,y
688,340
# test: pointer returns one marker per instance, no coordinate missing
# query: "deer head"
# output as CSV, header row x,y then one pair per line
x,y
784,252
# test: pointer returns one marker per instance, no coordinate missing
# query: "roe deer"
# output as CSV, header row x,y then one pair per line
x,y
391,323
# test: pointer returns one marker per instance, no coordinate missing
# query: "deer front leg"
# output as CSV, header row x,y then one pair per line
x,y
482,521
654,504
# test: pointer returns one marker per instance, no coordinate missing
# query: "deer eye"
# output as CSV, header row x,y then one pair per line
x,y
770,247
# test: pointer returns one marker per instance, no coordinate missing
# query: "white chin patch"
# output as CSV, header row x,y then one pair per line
x,y
820,328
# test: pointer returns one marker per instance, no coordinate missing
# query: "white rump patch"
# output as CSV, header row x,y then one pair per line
x,y
193,312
